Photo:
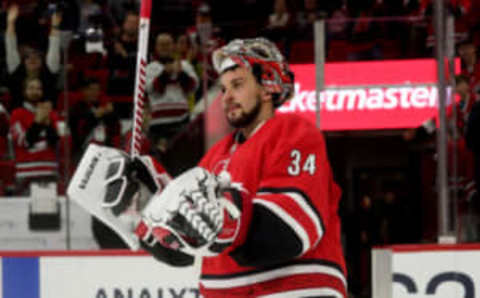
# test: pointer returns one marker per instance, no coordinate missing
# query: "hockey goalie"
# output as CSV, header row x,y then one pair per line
x,y
261,206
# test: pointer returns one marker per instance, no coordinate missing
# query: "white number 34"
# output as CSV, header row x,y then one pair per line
x,y
296,167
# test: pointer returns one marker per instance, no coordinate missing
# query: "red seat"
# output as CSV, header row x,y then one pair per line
x,y
338,50
302,52
121,98
390,49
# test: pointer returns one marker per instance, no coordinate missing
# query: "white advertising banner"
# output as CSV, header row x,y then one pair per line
x,y
88,274
433,271
115,277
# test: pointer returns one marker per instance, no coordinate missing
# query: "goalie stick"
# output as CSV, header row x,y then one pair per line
x,y
92,167
140,77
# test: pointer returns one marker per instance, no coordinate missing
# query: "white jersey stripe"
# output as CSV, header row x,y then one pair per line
x,y
36,164
35,174
167,120
327,292
289,220
255,278
307,209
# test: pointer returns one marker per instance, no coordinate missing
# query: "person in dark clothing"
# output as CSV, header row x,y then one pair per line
x,y
92,119
4,119
362,225
473,140
122,58
33,64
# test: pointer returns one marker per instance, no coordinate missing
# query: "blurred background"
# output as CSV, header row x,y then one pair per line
x,y
67,79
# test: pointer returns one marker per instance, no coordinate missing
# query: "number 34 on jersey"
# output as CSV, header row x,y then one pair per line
x,y
301,162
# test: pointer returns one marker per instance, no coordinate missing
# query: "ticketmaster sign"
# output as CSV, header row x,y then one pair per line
x,y
367,95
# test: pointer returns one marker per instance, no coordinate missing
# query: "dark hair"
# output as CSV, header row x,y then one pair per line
x,y
129,13
461,79
29,79
29,51
467,41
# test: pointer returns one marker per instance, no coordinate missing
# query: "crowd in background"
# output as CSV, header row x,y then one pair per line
x,y
68,69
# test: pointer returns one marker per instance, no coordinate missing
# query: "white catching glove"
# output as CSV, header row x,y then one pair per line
x,y
112,186
189,215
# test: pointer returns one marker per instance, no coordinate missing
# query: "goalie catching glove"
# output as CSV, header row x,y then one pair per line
x,y
111,186
193,215
126,178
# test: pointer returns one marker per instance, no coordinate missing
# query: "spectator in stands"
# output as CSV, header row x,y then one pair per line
x,y
120,8
470,64
279,25
33,128
337,29
463,183
32,65
89,10
465,103
205,37
306,17
185,50
363,31
122,61
170,82
92,119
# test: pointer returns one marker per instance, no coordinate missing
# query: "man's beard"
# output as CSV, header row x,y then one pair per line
x,y
246,118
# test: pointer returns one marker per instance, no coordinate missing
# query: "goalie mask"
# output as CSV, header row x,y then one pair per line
x,y
275,76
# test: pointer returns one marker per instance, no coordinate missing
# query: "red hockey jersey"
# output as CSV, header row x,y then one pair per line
x,y
285,171
37,159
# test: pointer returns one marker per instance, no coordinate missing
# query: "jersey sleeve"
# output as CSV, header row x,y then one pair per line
x,y
296,189
291,205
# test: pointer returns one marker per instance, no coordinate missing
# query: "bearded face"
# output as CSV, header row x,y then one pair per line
x,y
242,117
241,98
